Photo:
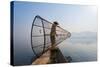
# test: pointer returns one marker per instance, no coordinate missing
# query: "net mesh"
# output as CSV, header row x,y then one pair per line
x,y
40,35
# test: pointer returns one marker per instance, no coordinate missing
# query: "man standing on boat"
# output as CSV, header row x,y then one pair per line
x,y
53,43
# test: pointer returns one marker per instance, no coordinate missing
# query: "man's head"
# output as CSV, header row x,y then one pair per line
x,y
56,23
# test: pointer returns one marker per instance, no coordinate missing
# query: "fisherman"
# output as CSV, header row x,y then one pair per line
x,y
53,34
53,43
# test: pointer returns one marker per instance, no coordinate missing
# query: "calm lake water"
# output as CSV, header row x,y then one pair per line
x,y
80,49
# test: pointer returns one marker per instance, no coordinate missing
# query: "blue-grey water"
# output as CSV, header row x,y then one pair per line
x,y
80,47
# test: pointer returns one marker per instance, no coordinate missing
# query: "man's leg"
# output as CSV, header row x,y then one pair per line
x,y
53,50
53,42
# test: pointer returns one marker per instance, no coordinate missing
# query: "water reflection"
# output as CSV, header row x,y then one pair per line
x,y
80,49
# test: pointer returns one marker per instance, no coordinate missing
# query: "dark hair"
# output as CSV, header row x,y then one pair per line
x,y
55,22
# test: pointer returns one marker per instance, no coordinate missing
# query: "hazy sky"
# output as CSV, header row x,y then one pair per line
x,y
74,18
